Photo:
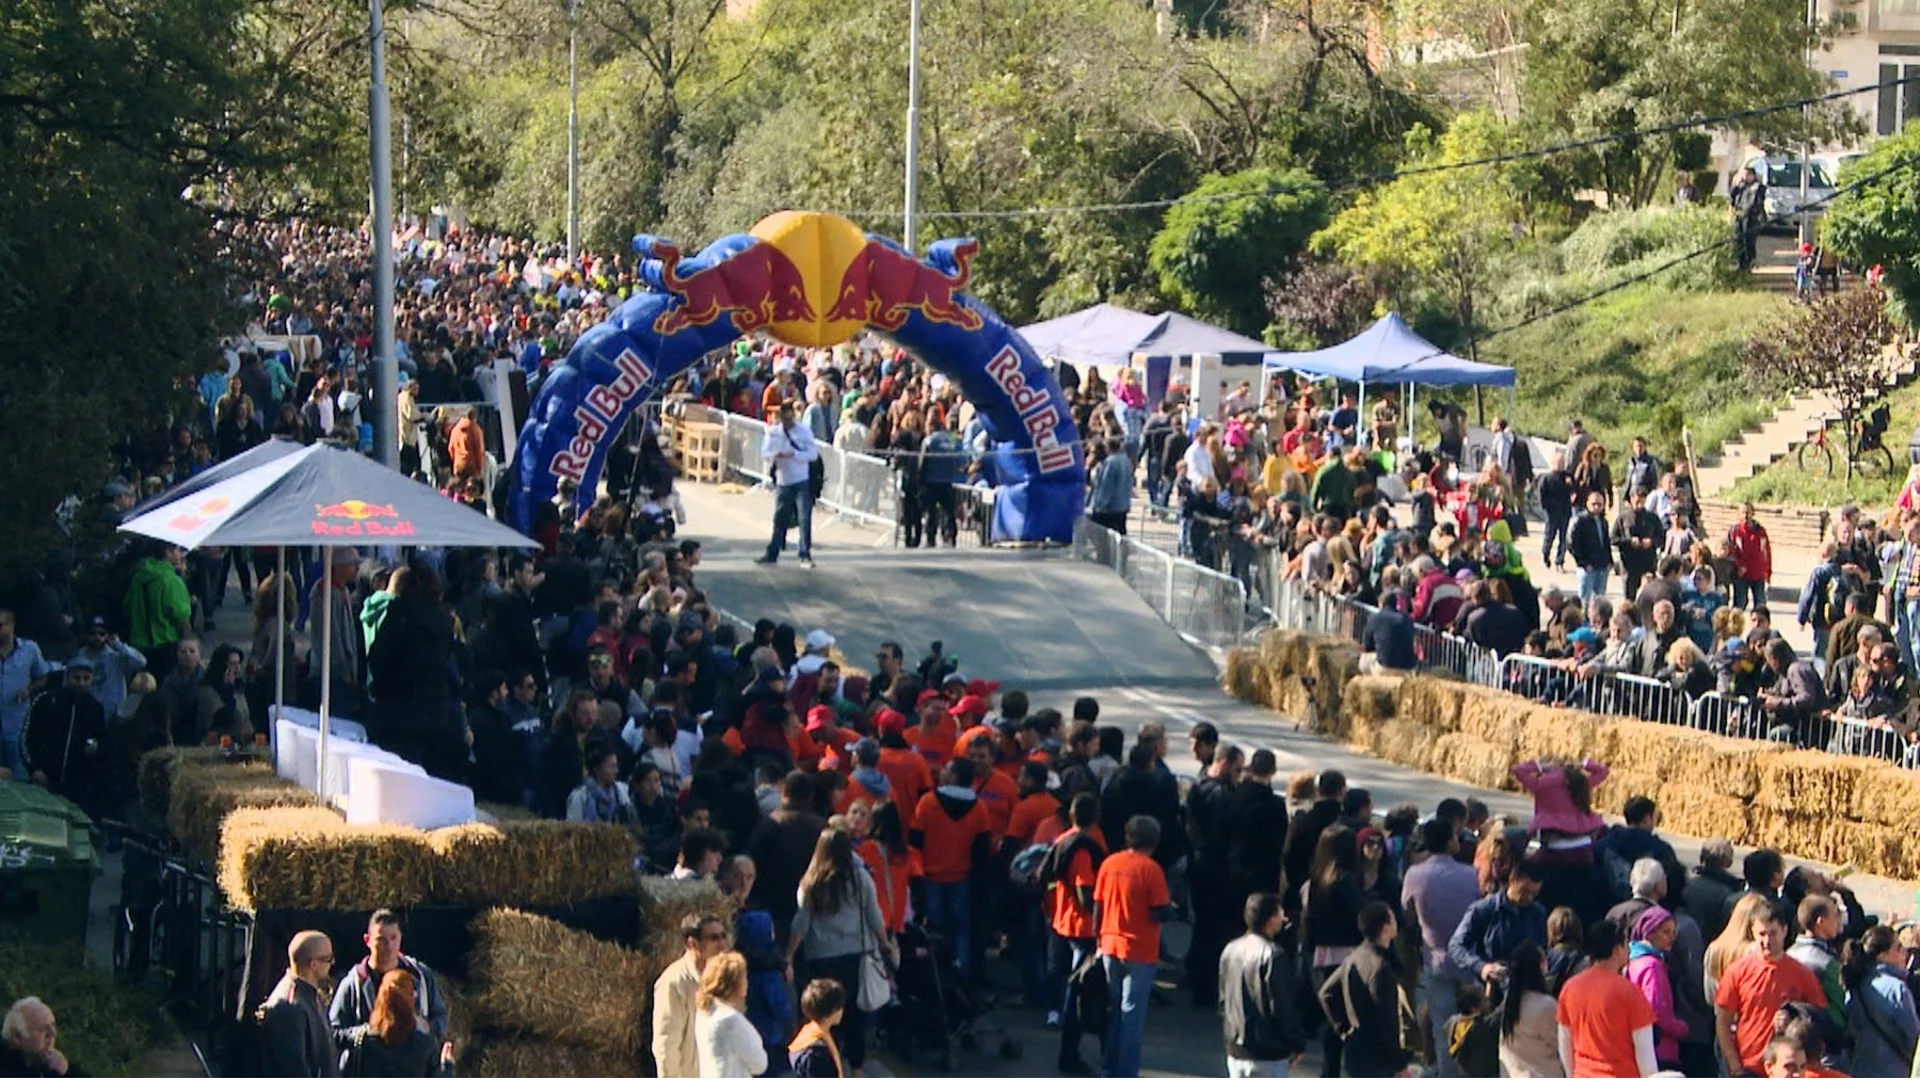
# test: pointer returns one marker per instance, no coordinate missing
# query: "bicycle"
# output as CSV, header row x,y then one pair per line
x,y
1868,452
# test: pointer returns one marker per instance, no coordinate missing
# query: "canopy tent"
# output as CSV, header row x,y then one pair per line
x,y
1390,352
1111,335
318,496
271,450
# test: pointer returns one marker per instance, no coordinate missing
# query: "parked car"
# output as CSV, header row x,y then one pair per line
x,y
1782,176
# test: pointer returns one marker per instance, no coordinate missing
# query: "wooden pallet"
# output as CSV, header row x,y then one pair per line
x,y
699,448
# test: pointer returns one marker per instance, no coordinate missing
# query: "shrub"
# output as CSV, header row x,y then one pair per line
x,y
1621,243
106,1027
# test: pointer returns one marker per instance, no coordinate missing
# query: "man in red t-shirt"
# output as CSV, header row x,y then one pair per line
x,y
935,735
1131,896
1755,987
1606,1025
1075,862
953,833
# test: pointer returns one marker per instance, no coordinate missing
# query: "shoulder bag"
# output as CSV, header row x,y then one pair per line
x,y
876,983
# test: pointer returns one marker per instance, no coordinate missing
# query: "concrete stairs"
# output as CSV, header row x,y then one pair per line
x,y
1747,453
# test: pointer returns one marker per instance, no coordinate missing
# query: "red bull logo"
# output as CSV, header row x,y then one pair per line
x,y
1037,412
757,287
882,286
596,416
359,518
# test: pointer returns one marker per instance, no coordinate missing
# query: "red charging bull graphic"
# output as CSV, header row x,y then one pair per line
x,y
757,287
883,285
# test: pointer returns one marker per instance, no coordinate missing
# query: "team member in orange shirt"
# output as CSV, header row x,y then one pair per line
x,y
1073,866
1755,987
972,712
1036,805
935,735
1130,894
906,771
953,833
998,793
865,781
823,727
1606,1025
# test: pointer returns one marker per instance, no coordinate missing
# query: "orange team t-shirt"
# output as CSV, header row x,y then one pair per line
x,y
889,881
935,746
1028,813
946,848
907,772
1068,918
806,754
1603,1010
1129,886
1754,988
837,743
998,794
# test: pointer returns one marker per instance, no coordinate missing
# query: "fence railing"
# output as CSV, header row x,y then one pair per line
x,y
1204,606
856,485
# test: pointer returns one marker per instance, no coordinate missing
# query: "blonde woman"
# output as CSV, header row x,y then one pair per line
x,y
1734,942
727,1044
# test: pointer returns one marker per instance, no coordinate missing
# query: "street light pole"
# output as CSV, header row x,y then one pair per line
x,y
1805,231
573,129
386,365
912,236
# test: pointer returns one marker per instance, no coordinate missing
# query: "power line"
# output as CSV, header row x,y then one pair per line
x,y
1368,180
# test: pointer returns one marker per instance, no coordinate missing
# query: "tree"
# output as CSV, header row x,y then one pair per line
x,y
113,286
1599,66
1443,229
1318,304
1878,223
1837,347
1234,232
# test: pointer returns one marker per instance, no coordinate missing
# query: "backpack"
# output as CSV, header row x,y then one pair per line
x,y
1053,865
1834,599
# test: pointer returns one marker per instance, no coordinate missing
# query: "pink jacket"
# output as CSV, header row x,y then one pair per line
x,y
1648,971
1553,807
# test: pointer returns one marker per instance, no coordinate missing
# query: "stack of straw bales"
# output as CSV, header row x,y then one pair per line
x,y
202,795
532,863
1807,803
308,858
567,1003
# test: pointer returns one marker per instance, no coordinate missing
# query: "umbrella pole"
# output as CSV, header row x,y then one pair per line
x,y
1360,420
279,640
326,664
1412,441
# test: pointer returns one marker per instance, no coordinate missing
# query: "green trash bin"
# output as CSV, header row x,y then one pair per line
x,y
47,865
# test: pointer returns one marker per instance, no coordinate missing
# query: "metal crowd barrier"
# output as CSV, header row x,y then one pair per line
x,y
856,485
1204,606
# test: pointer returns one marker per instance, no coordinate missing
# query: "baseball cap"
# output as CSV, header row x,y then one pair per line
x,y
1584,636
692,620
928,695
980,688
113,489
971,707
79,663
98,622
819,641
819,716
867,752
889,721
955,678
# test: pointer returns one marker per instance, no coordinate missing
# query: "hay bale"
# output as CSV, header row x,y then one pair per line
x,y
310,858
1807,781
1473,761
499,811
463,1028
1283,651
533,976
1372,697
1886,795
1716,762
1237,677
1493,716
203,794
664,902
1431,701
532,863
1697,810
1331,663
1408,743
155,777
543,1057
1553,732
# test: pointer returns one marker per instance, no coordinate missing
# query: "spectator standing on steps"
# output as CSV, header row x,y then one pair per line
x,y
1590,542
789,451
1638,533
1751,553
1747,197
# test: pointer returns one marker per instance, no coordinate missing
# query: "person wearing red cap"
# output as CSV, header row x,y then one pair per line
x,y
971,712
906,771
984,689
823,727
936,733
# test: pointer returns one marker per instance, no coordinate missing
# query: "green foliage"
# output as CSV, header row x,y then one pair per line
x,y
1234,233
106,1027
1440,231
1597,66
1879,223
1621,243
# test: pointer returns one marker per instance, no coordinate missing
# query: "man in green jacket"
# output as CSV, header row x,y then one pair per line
x,y
1333,488
158,610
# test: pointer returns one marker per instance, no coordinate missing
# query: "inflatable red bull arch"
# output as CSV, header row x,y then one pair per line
x,y
811,280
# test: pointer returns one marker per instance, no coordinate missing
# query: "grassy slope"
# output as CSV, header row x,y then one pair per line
x,y
1785,482
1614,361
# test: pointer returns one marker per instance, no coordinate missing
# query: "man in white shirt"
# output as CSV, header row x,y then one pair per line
x,y
788,448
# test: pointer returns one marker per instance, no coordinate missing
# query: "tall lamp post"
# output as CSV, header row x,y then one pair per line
x,y
573,129
912,236
380,140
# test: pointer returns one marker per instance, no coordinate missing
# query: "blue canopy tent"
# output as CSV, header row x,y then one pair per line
x,y
1389,351
1111,335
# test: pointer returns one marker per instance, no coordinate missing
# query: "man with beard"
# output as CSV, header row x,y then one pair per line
x,y
63,737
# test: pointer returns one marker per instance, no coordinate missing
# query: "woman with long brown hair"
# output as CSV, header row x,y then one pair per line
x,y
838,924
394,1044
1592,475
1333,899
